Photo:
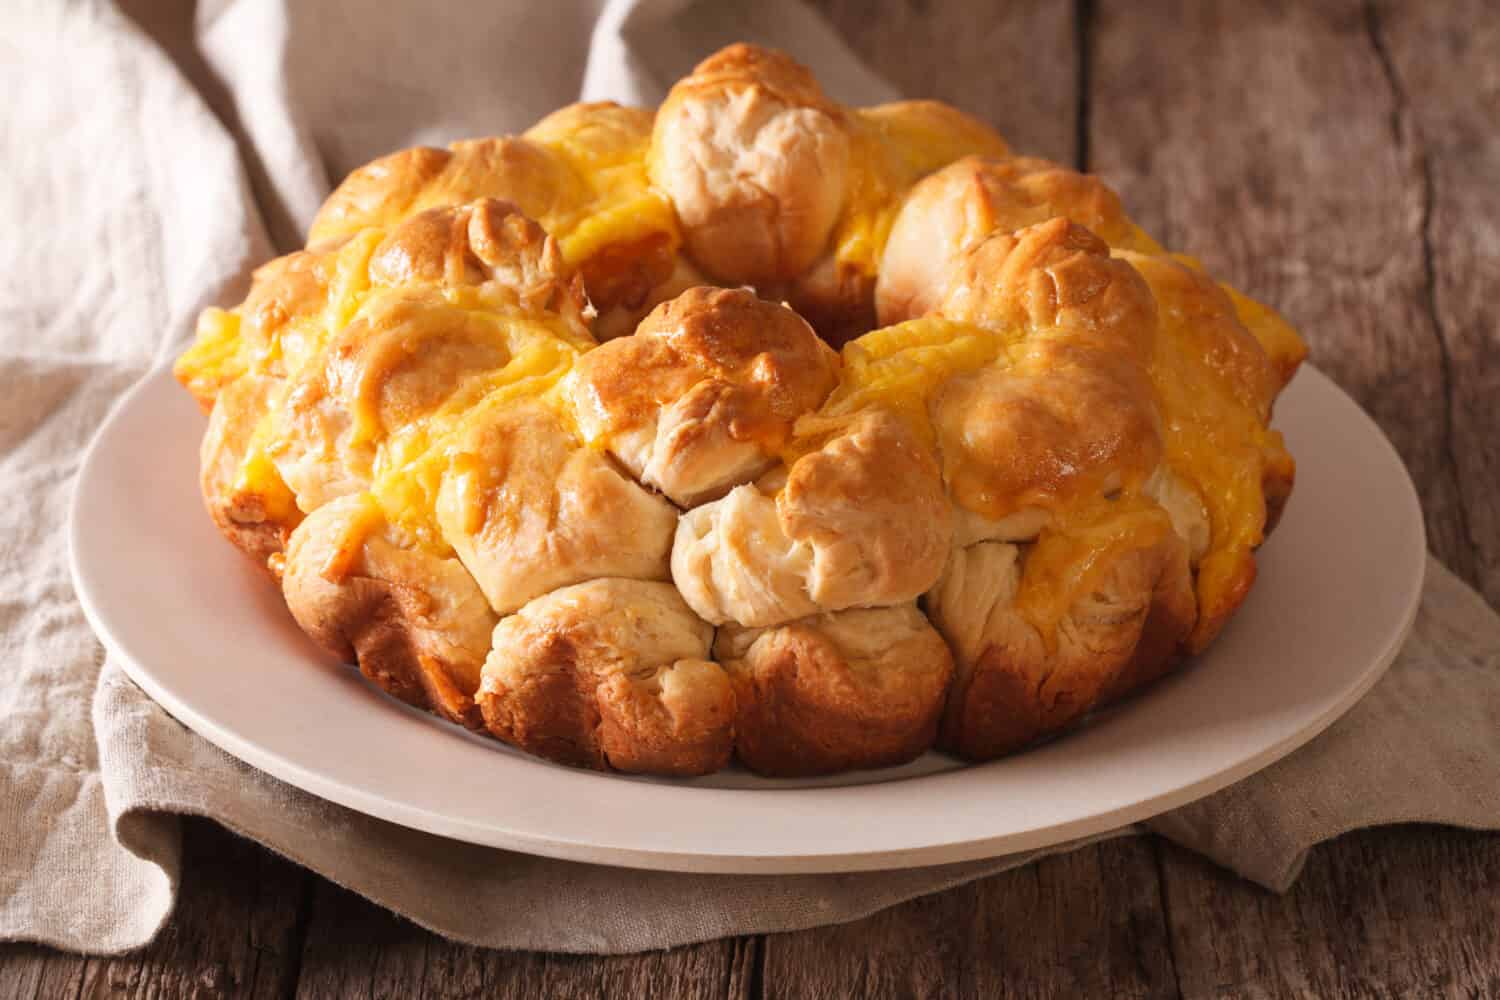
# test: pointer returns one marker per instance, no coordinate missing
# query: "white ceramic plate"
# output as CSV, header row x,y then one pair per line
x,y
209,638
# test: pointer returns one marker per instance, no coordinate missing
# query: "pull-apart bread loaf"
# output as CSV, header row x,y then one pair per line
x,y
758,427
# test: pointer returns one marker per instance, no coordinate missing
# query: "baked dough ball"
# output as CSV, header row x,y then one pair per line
x,y
280,323
893,146
402,358
704,395
580,173
951,210
853,689
610,674
237,369
755,157
486,244
624,239
1018,679
1216,385
860,521
383,192
529,509
414,355
1070,415
413,619
248,501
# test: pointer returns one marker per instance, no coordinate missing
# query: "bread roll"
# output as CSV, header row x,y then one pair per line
x,y
610,674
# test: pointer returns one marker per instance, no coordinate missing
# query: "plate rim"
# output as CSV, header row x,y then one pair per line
x,y
373,803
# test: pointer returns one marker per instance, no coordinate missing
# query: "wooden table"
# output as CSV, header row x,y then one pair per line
x,y
1339,160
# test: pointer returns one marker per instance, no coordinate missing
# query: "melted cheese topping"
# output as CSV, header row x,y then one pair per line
x,y
214,359
900,368
894,146
605,150
257,474
1282,344
1218,444
413,461
1074,551
273,340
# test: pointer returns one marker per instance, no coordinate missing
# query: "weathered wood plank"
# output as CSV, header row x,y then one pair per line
x,y
31,971
1440,59
1263,137
1082,924
1393,912
355,948
1013,64
234,934
1280,143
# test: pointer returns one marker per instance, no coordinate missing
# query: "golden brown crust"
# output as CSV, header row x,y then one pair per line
x,y
861,521
415,621
755,157
1072,414
483,242
404,356
256,517
1217,386
1016,683
870,504
529,509
552,175
835,692
705,394
384,192
951,210
270,326
601,129
611,674
412,349
922,126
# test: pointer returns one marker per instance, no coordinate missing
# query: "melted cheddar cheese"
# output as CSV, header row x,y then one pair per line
x,y
214,359
413,461
603,150
1076,549
899,368
257,475
1282,344
893,147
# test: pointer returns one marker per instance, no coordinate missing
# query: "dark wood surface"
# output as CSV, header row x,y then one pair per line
x,y
1338,159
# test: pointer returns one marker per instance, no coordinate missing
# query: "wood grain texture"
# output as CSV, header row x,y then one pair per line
x,y
1319,156
1083,924
1012,64
1266,138
235,933
354,948
1397,912
1443,72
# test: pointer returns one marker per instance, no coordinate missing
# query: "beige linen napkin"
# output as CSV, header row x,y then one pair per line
x,y
129,205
